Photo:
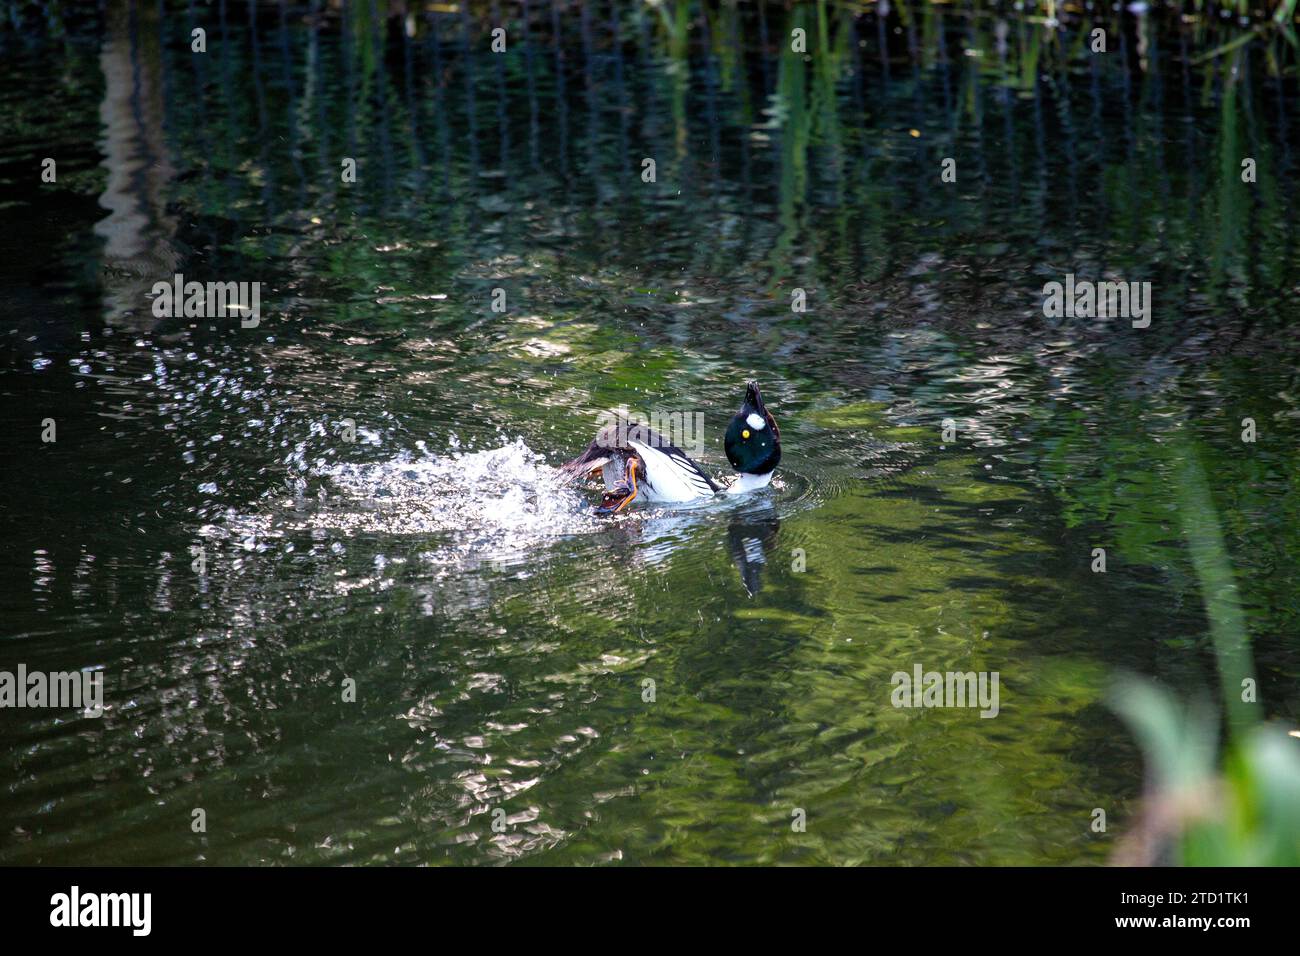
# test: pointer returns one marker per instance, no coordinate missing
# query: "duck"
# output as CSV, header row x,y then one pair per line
x,y
637,463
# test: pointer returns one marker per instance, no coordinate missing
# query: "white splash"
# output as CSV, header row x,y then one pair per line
x,y
500,492
490,506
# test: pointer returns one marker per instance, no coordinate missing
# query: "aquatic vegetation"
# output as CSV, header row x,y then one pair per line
x,y
1244,811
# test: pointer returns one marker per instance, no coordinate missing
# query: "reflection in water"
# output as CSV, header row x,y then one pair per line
x,y
751,535
206,532
138,230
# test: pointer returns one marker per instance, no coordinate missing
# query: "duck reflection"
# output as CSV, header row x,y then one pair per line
x,y
750,536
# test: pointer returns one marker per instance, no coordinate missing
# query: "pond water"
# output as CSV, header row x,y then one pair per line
x,y
242,527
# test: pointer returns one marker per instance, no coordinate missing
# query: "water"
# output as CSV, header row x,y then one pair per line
x,y
203,533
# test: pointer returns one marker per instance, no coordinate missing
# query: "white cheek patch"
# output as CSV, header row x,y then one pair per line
x,y
756,421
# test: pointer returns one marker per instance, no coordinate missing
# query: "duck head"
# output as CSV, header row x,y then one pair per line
x,y
753,442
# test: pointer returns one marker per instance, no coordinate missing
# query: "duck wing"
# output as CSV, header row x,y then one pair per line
x,y
670,473
666,470
608,446
594,457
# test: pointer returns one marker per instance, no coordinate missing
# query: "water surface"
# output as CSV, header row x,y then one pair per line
x,y
203,532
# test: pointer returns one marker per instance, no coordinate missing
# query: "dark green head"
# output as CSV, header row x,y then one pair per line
x,y
753,441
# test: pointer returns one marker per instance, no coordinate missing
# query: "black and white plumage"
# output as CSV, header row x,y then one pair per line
x,y
635,461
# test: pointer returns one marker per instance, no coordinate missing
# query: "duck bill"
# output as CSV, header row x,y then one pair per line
x,y
616,499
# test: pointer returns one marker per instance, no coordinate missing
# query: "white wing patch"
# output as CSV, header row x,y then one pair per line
x,y
670,477
756,421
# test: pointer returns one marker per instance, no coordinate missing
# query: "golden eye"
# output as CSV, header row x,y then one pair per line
x,y
744,433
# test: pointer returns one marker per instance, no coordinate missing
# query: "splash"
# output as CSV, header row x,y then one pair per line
x,y
480,506
502,492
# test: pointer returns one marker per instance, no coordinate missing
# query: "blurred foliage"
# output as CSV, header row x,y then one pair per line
x,y
1248,812
1198,812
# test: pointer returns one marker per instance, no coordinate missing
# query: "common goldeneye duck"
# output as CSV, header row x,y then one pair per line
x,y
753,443
636,462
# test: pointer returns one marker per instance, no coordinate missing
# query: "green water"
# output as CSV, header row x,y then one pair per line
x,y
499,637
